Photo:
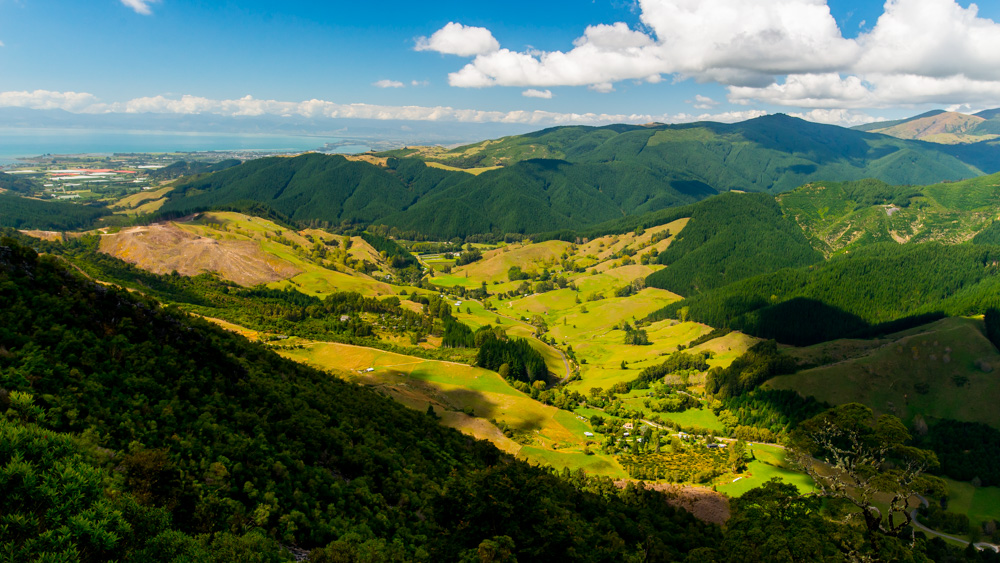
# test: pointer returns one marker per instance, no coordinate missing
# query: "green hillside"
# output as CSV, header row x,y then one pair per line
x,y
574,177
851,294
26,213
159,436
729,238
839,216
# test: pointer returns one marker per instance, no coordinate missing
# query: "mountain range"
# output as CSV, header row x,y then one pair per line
x,y
575,177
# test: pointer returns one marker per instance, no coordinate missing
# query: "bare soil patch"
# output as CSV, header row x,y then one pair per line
x,y
705,504
163,247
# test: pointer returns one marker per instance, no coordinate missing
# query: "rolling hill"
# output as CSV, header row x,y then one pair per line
x,y
573,177
948,127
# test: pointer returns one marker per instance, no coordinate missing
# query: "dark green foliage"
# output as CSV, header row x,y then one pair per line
x,y
777,410
991,320
989,235
966,450
229,436
468,257
760,363
856,294
24,213
524,362
57,499
397,256
678,361
730,238
313,187
16,183
774,523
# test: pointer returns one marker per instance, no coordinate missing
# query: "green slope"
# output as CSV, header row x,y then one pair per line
x,y
25,213
730,238
852,293
841,216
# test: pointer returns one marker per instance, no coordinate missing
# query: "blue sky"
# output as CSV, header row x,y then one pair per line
x,y
544,62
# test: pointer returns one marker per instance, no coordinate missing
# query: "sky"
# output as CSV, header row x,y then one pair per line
x,y
541,63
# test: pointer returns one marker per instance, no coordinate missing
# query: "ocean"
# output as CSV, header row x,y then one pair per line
x,y
15,143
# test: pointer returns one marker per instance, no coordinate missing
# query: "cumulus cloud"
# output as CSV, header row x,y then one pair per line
x,y
457,39
45,99
786,52
140,6
842,117
389,84
703,102
78,102
532,93
1,44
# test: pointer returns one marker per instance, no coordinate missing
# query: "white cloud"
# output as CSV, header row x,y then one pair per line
x,y
703,102
532,93
140,6
457,39
602,87
45,99
388,84
842,117
1,44
419,83
786,52
248,106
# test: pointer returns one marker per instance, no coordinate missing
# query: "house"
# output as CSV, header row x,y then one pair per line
x,y
627,426
627,434
369,370
345,318
588,434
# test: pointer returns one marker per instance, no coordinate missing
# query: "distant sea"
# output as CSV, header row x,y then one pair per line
x,y
18,143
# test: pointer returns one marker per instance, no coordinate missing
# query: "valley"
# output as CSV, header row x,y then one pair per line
x,y
681,342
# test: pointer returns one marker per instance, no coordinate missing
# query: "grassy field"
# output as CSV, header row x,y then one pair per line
x,y
473,171
980,504
142,201
931,370
769,462
495,263
454,388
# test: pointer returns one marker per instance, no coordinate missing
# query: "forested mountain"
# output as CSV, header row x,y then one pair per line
x,y
850,294
772,153
576,177
729,238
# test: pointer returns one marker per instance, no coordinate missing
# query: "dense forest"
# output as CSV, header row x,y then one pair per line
x,y
26,213
730,238
875,288
214,445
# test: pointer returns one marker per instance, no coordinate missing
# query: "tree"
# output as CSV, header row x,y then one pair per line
x,y
855,456
737,456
